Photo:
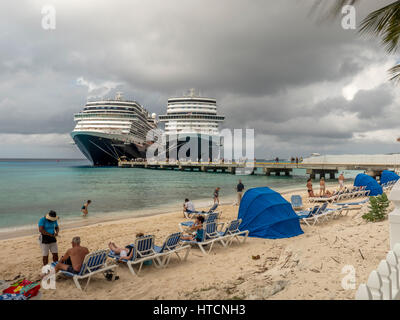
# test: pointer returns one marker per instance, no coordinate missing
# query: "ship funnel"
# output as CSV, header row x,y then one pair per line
x,y
118,96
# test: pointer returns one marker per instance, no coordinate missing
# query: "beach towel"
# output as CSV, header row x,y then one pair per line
x,y
25,287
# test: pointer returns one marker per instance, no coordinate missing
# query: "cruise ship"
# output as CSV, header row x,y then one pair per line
x,y
109,130
192,117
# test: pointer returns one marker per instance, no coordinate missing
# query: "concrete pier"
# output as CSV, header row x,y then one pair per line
x,y
328,171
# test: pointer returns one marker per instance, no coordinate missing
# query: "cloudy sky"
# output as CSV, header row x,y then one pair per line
x,y
303,86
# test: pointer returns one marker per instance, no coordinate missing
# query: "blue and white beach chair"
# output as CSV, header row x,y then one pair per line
x,y
297,202
191,214
172,245
210,217
232,232
143,251
210,236
94,262
308,216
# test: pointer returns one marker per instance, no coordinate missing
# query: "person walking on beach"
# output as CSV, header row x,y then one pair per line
x,y
216,195
310,189
84,208
72,260
239,189
322,186
341,181
48,228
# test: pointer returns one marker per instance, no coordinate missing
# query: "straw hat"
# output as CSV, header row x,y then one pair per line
x,y
52,216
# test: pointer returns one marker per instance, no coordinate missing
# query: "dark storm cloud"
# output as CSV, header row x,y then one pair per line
x,y
265,62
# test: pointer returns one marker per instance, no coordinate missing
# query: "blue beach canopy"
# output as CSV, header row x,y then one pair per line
x,y
370,183
388,176
266,214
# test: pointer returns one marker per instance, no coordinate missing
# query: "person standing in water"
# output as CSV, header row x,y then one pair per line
x,y
239,189
216,195
84,208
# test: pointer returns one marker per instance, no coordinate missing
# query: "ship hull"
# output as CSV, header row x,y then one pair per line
x,y
202,147
106,150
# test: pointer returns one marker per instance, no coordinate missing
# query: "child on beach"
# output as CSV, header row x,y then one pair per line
x,y
198,227
84,208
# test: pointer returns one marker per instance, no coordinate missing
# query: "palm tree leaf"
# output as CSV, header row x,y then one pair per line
x,y
395,73
384,23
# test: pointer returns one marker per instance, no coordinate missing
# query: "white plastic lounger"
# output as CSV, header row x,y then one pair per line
x,y
192,214
210,236
297,202
211,217
94,263
309,217
231,233
172,245
143,251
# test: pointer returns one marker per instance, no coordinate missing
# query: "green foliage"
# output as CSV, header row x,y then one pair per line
x,y
378,208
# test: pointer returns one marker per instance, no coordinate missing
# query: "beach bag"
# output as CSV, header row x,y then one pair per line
x,y
27,288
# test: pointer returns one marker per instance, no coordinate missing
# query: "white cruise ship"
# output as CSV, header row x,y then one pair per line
x,y
189,117
108,130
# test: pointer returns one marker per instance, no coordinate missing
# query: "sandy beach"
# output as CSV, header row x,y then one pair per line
x,y
305,267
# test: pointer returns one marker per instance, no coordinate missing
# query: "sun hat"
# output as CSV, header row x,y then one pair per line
x,y
52,216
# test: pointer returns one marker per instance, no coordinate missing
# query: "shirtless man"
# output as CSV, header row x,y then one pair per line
x,y
73,258
341,181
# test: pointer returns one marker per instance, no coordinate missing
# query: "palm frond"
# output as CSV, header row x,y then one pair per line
x,y
395,73
385,24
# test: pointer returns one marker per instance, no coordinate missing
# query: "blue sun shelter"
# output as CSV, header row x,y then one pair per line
x,y
266,214
388,176
364,180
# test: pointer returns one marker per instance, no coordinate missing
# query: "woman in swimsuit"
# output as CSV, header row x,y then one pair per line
x,y
322,187
309,189
84,208
198,227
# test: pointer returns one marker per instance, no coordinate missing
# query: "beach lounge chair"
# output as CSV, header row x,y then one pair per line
x,y
210,217
297,202
94,262
210,236
334,198
172,245
232,232
143,251
191,214
308,216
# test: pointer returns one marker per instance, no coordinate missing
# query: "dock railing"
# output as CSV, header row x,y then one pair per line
x,y
384,282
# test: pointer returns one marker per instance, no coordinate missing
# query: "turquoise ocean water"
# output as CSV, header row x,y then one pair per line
x,y
29,189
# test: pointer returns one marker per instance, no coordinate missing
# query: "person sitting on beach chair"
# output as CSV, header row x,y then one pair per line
x,y
124,253
198,227
73,258
188,208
